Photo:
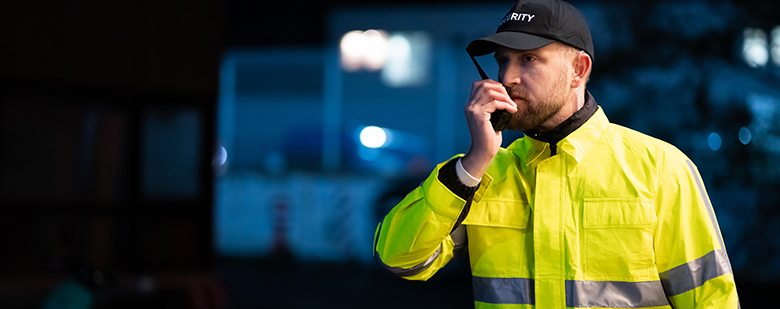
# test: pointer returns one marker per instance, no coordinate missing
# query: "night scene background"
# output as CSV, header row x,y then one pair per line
x,y
239,154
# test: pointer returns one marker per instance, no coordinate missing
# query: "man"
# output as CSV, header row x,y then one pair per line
x,y
578,213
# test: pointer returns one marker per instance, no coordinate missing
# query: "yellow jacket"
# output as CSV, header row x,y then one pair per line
x,y
618,220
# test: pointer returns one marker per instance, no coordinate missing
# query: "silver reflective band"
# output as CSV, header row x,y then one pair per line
x,y
406,272
503,290
615,294
706,200
693,274
459,241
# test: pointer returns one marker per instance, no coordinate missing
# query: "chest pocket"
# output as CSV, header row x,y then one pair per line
x,y
502,243
618,238
494,212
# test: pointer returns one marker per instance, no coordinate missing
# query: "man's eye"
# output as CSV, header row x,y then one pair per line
x,y
528,58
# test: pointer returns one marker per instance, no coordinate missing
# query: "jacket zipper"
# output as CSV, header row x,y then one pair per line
x,y
553,149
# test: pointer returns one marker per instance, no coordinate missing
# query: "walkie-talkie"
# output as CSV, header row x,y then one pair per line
x,y
499,118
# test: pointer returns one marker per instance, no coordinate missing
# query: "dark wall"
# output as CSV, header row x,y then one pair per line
x,y
107,125
170,46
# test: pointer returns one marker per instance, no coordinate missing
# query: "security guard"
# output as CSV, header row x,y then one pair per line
x,y
579,213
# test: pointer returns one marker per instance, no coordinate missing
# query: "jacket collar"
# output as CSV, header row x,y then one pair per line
x,y
574,136
568,126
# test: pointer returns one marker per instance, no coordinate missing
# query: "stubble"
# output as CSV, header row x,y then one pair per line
x,y
541,109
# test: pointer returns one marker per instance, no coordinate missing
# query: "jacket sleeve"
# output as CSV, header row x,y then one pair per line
x,y
690,255
417,237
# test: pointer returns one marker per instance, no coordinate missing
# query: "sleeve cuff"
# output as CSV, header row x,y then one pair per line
x,y
464,175
448,176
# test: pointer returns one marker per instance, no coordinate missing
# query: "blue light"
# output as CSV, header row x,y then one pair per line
x,y
221,157
745,136
714,141
368,154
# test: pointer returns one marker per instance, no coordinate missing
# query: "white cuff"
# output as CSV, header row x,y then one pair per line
x,y
464,176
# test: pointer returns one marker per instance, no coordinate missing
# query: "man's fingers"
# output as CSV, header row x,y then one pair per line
x,y
484,91
500,95
509,107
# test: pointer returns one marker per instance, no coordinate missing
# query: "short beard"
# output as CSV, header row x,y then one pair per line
x,y
540,110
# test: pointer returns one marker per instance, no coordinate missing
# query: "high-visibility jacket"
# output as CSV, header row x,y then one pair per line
x,y
616,219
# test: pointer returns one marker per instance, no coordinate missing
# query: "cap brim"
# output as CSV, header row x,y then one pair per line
x,y
509,39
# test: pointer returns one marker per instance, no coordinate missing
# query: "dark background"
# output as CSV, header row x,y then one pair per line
x,y
77,206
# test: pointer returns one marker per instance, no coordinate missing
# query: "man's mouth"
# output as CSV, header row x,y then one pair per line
x,y
515,94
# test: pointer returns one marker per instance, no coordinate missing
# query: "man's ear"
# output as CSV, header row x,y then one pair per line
x,y
582,66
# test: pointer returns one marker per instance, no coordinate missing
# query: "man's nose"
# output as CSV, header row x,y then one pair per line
x,y
510,76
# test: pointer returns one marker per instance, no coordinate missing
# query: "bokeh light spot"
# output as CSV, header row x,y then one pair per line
x,y
714,141
745,136
373,137
754,48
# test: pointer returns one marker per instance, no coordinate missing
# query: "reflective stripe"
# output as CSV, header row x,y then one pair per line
x,y
693,274
706,199
460,241
613,294
503,290
406,272
714,264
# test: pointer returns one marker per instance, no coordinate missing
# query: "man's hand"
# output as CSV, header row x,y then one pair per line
x,y
486,97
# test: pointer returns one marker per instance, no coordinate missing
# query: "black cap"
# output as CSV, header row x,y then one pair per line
x,y
532,24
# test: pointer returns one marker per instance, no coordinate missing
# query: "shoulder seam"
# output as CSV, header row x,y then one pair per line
x,y
668,171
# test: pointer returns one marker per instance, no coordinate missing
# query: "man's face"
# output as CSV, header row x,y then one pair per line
x,y
537,80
